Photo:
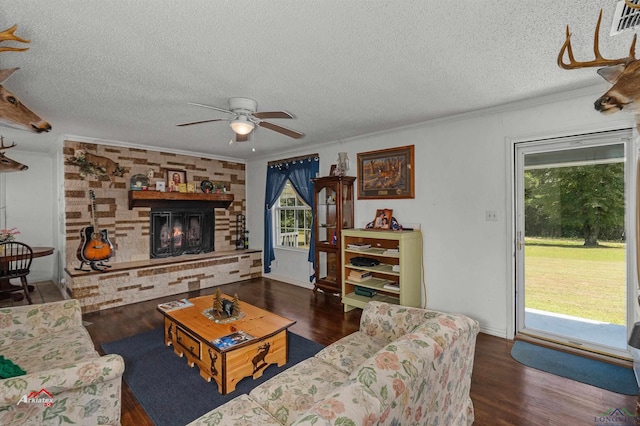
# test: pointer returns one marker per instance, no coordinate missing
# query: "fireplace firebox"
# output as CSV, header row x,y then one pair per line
x,y
181,231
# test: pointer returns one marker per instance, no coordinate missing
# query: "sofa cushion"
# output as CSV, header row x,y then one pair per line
x,y
46,352
240,411
291,393
29,321
393,371
349,352
351,404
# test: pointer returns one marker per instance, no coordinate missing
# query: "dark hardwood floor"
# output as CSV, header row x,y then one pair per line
x,y
503,391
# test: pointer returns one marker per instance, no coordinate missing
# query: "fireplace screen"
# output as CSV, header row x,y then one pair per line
x,y
176,232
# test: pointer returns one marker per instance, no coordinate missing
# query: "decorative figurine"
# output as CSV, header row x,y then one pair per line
x,y
230,309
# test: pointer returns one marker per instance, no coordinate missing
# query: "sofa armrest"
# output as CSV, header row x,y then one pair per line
x,y
59,380
448,328
389,322
29,321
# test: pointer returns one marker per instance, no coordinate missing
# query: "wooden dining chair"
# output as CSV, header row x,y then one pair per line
x,y
15,261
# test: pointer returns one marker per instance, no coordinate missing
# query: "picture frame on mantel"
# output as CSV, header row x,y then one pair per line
x,y
175,177
386,173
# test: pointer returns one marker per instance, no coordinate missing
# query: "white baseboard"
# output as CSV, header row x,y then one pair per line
x,y
494,332
289,280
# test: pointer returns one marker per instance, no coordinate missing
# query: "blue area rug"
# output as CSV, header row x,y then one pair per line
x,y
171,392
596,373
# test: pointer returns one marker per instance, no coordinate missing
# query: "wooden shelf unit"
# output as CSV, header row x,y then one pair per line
x,y
408,261
160,199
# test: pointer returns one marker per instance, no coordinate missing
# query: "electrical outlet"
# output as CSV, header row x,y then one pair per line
x,y
491,216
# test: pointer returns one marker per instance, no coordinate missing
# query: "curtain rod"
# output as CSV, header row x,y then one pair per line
x,y
287,160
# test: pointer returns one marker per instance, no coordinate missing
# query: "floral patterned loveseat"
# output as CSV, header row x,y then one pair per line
x,y
66,380
405,366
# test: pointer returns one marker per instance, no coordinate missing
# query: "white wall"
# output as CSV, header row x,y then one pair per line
x,y
30,198
463,169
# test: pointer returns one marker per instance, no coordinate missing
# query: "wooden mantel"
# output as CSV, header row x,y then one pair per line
x,y
164,199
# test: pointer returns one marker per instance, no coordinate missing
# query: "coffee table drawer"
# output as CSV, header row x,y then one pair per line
x,y
188,342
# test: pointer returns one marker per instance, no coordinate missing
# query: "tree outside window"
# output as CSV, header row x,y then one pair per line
x,y
292,220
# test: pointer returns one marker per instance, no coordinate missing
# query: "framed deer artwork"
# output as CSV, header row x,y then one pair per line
x,y
386,173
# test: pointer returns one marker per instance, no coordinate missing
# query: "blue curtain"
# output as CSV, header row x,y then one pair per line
x,y
299,172
300,178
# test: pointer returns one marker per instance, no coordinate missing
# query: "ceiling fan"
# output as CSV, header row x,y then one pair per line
x,y
244,116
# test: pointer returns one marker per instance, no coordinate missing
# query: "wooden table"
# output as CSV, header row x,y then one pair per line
x,y
191,333
5,286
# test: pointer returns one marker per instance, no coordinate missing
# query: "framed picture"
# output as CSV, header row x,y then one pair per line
x,y
382,219
387,173
332,172
175,178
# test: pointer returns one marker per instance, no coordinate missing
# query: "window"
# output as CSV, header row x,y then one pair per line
x,y
293,220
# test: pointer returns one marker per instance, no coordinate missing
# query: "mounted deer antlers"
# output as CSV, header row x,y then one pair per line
x,y
14,113
623,73
8,35
6,163
631,5
599,61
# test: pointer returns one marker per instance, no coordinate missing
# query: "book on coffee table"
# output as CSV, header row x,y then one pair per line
x,y
175,304
232,339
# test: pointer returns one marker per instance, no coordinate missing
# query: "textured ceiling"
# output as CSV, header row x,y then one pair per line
x,y
125,70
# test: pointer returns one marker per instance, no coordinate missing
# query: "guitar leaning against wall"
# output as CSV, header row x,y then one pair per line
x,y
95,247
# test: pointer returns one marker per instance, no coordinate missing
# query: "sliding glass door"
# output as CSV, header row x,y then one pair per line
x,y
571,240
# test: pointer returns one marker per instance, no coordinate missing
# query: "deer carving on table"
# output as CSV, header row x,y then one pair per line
x,y
6,163
14,113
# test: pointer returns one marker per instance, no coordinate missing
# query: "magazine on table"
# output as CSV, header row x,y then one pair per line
x,y
175,304
232,339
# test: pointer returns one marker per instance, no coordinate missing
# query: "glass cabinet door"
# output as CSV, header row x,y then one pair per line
x,y
333,211
347,205
327,215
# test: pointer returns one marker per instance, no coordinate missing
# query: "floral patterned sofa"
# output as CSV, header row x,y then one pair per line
x,y
66,380
404,366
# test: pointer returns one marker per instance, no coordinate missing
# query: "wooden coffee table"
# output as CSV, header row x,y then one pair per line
x,y
191,333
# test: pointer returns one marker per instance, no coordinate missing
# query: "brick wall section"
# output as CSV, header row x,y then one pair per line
x,y
97,291
128,230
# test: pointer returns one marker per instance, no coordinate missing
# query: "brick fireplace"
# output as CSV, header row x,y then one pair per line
x,y
180,230
136,272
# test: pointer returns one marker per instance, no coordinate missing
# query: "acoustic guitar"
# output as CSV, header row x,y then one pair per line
x,y
94,243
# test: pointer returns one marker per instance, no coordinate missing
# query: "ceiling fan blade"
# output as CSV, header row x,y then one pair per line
x,y
212,107
272,114
203,121
280,129
242,138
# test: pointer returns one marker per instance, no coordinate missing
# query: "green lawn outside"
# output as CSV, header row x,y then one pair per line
x,y
563,276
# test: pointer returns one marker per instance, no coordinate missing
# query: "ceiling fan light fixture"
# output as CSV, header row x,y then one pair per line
x,y
242,126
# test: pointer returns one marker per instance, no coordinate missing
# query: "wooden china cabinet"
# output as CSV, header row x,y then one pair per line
x,y
333,212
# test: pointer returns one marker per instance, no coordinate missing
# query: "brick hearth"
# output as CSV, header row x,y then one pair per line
x,y
131,282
